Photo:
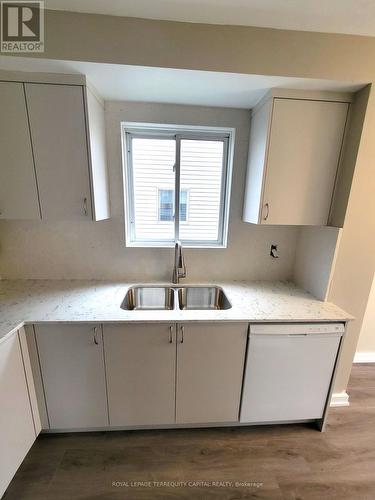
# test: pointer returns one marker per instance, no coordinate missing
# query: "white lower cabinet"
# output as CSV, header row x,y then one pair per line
x,y
142,361
72,367
141,374
141,364
17,431
210,361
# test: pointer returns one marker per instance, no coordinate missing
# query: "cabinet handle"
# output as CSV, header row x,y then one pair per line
x,y
95,332
182,334
170,334
266,206
85,212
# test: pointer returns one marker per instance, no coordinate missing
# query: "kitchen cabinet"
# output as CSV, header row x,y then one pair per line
x,y
289,371
58,131
141,364
17,431
210,361
95,132
31,385
294,154
52,138
72,368
18,189
36,376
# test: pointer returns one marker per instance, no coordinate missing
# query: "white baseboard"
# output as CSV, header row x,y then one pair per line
x,y
364,357
339,399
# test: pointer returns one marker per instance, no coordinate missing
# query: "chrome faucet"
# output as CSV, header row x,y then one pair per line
x,y
179,269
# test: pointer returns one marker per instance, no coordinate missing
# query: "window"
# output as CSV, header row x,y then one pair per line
x,y
177,184
166,205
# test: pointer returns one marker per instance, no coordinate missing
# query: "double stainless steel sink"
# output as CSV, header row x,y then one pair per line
x,y
167,298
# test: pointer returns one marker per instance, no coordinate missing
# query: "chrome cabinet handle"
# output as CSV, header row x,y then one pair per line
x,y
95,333
182,334
266,205
85,212
171,334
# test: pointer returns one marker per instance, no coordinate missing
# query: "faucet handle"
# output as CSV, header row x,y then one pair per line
x,y
183,267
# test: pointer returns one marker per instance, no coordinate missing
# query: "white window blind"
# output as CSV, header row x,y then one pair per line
x,y
152,170
174,168
201,172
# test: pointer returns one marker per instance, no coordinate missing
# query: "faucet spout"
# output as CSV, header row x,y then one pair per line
x,y
179,269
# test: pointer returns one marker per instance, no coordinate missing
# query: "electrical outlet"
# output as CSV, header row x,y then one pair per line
x,y
274,252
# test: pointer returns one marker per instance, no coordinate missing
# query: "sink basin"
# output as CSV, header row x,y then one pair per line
x,y
148,298
203,297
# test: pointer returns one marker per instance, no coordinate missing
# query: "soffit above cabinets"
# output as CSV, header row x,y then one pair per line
x,y
178,86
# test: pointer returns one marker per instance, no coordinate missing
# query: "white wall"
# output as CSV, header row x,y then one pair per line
x,y
91,250
366,343
315,258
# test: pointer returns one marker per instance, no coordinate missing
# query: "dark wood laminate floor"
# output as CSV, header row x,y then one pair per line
x,y
285,462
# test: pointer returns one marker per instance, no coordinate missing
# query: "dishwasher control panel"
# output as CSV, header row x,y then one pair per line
x,y
296,328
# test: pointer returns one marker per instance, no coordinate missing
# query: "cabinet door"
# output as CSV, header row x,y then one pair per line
x,y
58,131
210,360
303,156
18,191
17,432
72,366
34,403
140,363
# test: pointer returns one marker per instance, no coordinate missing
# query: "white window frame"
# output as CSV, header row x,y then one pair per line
x,y
130,130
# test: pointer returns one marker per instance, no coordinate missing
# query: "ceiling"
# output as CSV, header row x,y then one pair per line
x,y
200,88
331,16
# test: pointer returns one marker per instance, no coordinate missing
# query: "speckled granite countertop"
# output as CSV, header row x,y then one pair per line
x,y
35,301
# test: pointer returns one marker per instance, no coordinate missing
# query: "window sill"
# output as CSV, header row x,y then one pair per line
x,y
171,245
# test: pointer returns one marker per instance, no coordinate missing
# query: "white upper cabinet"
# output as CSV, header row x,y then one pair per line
x,y
294,154
95,128
53,162
57,124
18,190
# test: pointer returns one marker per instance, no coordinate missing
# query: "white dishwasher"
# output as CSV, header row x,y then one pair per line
x,y
289,369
